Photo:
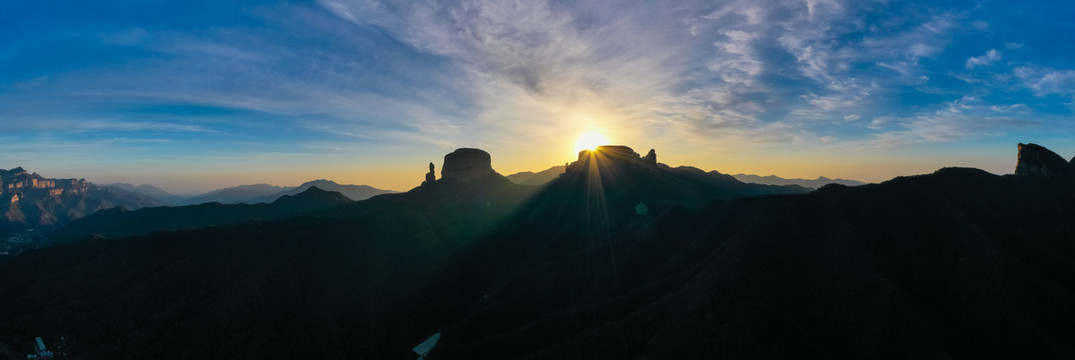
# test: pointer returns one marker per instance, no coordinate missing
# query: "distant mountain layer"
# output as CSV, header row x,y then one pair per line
x,y
249,194
149,191
353,192
264,193
237,194
813,184
538,178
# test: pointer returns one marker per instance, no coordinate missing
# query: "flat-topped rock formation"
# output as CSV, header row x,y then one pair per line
x,y
614,154
465,165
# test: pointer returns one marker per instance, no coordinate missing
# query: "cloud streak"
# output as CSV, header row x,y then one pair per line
x,y
990,57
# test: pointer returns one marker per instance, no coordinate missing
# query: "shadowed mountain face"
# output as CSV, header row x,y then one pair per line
x,y
36,201
32,206
959,264
1037,160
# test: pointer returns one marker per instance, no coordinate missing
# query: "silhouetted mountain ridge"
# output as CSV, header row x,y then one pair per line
x,y
758,276
955,264
118,223
265,193
353,192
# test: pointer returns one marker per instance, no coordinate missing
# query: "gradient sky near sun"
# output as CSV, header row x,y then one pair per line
x,y
195,95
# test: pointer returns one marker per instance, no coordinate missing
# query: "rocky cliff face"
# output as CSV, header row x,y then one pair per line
x,y
1037,160
465,165
32,205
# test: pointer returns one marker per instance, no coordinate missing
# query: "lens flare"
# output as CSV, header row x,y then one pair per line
x,y
590,141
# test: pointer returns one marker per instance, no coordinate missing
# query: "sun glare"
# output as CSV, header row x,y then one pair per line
x,y
589,141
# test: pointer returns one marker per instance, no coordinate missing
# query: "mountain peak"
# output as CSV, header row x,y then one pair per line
x,y
313,195
1037,160
313,189
466,165
318,183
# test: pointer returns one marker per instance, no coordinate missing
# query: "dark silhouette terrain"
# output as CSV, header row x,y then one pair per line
x,y
620,257
120,222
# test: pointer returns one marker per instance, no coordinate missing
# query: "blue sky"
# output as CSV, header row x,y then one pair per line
x,y
195,95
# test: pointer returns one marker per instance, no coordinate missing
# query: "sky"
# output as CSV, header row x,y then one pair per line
x,y
196,95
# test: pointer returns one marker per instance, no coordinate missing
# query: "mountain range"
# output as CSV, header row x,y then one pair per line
x,y
618,257
119,222
32,206
550,174
250,194
813,184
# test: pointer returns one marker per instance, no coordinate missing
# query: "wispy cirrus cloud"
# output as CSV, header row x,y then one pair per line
x,y
737,72
965,118
1045,81
988,59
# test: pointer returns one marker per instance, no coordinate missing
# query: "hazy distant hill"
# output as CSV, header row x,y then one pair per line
x,y
265,193
149,191
354,192
538,178
813,184
955,264
237,194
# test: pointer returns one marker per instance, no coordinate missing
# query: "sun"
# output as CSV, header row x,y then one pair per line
x,y
589,141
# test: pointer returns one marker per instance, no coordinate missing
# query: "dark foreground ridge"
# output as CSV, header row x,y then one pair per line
x,y
120,222
955,264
